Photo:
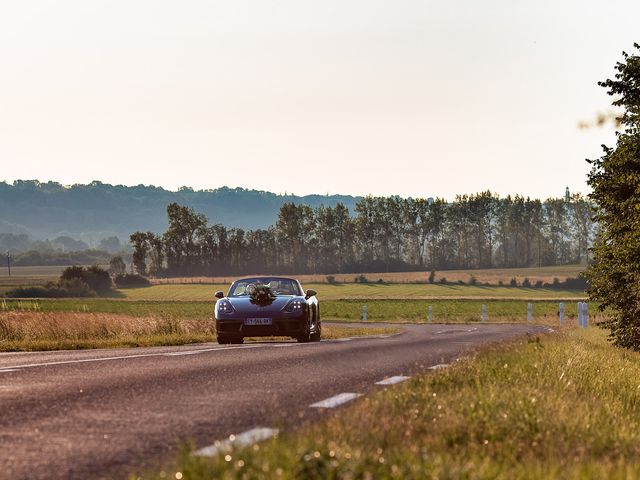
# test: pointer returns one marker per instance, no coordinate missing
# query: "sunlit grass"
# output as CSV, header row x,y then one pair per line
x,y
561,406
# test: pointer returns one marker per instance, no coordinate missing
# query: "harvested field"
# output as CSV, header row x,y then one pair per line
x,y
490,275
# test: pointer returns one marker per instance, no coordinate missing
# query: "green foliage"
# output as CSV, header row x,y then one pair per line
x,y
117,266
615,180
96,278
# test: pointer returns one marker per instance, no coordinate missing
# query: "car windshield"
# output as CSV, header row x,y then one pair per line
x,y
279,286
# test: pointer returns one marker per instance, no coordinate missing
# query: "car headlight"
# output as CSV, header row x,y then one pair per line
x,y
295,306
224,306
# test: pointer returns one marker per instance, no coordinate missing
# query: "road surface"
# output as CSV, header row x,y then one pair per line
x,y
107,413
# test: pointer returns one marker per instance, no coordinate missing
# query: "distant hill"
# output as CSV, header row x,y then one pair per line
x,y
98,210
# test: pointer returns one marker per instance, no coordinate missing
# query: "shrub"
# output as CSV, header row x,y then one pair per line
x,y
473,280
331,279
443,280
117,266
361,279
526,282
432,276
513,282
539,284
129,280
98,279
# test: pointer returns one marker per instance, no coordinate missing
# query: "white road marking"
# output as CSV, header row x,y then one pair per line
x,y
218,348
124,357
457,330
188,352
392,380
335,400
244,439
7,370
440,366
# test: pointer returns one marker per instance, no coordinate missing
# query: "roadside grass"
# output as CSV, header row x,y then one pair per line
x,y
38,330
413,311
177,292
490,275
561,406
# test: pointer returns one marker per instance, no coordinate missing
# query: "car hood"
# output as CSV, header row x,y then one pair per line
x,y
244,304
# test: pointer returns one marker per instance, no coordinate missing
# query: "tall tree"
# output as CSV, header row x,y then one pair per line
x,y
615,180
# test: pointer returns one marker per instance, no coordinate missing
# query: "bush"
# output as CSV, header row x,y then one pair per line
x,y
129,280
539,284
361,279
473,280
432,276
98,279
513,282
526,283
331,279
117,266
442,281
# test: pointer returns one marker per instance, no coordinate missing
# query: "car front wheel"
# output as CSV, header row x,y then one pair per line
x,y
305,335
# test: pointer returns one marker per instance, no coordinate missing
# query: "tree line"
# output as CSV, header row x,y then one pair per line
x,y
383,234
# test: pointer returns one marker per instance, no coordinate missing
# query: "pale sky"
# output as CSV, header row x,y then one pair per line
x,y
415,98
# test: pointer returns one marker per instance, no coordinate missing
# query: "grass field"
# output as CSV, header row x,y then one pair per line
x,y
31,275
488,275
562,406
326,291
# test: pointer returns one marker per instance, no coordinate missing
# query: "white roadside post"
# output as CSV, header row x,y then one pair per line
x,y
585,315
364,312
561,313
430,314
484,312
529,312
580,314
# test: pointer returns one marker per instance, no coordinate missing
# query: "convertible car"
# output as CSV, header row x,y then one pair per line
x,y
266,306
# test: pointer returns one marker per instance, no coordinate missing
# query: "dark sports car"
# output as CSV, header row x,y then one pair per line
x,y
266,306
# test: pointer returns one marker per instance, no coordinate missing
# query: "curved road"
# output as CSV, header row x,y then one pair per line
x,y
106,413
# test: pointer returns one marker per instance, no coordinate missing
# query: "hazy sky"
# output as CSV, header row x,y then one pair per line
x,y
416,98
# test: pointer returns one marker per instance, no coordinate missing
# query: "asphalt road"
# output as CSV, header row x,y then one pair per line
x,y
107,413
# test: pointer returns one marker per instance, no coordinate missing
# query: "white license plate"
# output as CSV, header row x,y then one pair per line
x,y
258,321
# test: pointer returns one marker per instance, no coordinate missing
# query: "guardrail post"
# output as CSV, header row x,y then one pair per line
x,y
484,312
430,314
561,313
581,322
529,311
364,312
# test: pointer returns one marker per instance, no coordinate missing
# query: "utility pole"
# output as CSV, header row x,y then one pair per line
x,y
9,263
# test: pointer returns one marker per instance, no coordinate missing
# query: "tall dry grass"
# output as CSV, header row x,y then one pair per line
x,y
36,330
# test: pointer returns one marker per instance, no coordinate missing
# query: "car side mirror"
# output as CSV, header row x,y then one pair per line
x,y
219,294
311,293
